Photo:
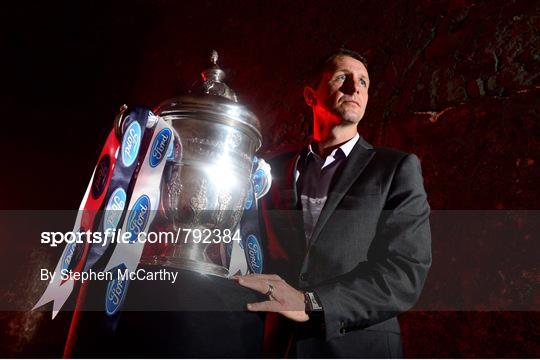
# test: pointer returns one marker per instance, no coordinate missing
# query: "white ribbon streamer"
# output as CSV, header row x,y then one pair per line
x,y
238,264
56,291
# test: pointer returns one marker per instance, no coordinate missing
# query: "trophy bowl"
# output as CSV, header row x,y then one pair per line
x,y
208,174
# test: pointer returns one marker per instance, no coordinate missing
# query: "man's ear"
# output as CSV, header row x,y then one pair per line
x,y
309,96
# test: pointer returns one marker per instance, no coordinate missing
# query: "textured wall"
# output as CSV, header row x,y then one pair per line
x,y
456,82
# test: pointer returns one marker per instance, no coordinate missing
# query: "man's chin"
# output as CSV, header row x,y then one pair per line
x,y
350,118
349,114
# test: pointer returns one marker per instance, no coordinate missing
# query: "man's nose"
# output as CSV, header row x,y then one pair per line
x,y
350,86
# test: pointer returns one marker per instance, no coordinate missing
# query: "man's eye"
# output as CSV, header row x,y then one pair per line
x,y
363,82
341,77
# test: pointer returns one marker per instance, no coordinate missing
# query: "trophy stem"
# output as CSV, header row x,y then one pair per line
x,y
187,264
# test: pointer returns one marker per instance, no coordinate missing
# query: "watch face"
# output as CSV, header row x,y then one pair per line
x,y
311,302
307,301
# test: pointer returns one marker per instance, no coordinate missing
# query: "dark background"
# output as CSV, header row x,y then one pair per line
x,y
456,82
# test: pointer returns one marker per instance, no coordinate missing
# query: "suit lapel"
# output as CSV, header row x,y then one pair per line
x,y
295,242
289,194
357,161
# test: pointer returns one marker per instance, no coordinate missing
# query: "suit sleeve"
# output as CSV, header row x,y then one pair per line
x,y
398,260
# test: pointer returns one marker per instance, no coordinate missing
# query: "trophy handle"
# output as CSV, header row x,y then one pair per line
x,y
119,122
262,178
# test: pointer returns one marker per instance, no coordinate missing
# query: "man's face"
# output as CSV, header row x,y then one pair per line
x,y
342,94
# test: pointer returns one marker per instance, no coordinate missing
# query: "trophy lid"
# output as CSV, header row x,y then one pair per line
x,y
211,99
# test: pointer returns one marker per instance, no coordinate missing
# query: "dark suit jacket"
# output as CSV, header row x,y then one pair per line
x,y
369,255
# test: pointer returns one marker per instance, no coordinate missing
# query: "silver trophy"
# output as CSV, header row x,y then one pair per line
x,y
209,172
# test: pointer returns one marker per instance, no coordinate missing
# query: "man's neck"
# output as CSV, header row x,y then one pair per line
x,y
333,137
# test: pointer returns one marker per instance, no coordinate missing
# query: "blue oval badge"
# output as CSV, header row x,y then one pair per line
x,y
160,147
68,255
254,254
101,176
131,143
259,182
116,291
138,217
114,208
249,200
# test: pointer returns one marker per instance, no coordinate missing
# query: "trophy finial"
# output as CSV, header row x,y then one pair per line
x,y
214,57
212,81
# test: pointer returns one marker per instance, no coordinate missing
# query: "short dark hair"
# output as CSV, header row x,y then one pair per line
x,y
314,77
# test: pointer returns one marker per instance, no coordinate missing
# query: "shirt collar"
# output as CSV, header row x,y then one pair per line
x,y
346,147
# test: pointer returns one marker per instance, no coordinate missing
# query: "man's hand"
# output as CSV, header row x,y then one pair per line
x,y
282,298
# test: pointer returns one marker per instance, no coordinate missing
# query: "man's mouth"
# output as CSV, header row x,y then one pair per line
x,y
353,102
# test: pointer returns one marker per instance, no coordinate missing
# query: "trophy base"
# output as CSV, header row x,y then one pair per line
x,y
187,264
196,317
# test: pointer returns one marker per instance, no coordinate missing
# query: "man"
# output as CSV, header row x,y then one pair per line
x,y
358,252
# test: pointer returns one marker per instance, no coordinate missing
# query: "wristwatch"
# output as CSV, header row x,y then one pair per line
x,y
312,304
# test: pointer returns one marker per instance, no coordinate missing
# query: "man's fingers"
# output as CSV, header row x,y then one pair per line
x,y
273,306
299,316
263,306
259,285
260,276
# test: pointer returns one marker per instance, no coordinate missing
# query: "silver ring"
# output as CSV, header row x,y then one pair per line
x,y
270,291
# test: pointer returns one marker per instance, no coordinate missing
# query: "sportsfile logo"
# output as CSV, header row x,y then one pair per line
x,y
160,147
138,218
131,144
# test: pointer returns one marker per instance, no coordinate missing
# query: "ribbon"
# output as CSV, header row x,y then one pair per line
x,y
59,290
144,200
134,139
246,255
